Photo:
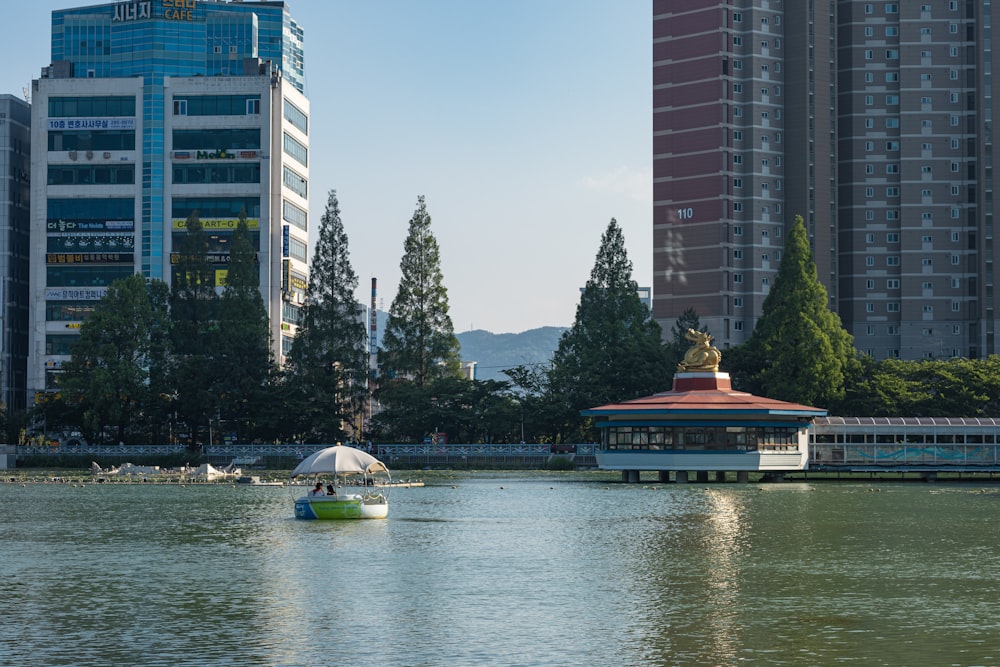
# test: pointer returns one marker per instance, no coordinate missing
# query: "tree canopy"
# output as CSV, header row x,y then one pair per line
x,y
328,362
799,351
614,350
419,340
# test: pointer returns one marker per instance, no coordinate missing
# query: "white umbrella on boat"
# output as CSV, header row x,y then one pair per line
x,y
339,460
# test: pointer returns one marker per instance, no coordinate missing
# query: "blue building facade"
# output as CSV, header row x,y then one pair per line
x,y
151,111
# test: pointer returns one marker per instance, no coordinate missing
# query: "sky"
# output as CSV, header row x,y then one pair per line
x,y
525,124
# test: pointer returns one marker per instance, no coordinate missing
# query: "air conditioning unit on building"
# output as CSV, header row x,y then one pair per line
x,y
72,155
90,155
107,155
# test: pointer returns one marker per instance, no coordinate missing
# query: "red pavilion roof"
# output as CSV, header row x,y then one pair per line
x,y
704,394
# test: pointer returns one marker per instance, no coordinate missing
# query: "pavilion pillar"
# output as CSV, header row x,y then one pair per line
x,y
742,476
681,476
720,475
663,477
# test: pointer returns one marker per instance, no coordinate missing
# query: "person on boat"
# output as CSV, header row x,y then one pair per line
x,y
317,490
330,490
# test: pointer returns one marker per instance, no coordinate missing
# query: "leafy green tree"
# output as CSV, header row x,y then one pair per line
x,y
328,362
419,341
614,349
194,306
108,374
799,351
245,364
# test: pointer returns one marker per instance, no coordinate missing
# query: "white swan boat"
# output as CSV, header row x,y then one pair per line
x,y
359,495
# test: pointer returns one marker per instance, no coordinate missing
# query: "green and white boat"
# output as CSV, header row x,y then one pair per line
x,y
361,481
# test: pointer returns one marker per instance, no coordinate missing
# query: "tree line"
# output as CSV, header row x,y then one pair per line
x,y
190,363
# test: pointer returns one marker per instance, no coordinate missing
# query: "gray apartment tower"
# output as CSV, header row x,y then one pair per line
x,y
15,179
871,120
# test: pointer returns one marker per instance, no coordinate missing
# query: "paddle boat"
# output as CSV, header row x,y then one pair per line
x,y
360,485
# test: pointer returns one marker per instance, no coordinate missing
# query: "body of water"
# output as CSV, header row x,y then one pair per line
x,y
494,569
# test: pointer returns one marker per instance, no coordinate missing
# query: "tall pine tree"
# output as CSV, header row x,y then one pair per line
x,y
799,349
194,334
244,359
419,341
328,363
614,349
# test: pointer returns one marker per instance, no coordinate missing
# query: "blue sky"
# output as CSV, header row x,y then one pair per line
x,y
526,125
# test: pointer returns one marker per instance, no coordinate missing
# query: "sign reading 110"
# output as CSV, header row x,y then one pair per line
x,y
685,214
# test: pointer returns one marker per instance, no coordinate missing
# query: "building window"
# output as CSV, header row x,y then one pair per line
x,y
892,260
737,302
892,283
956,306
956,260
737,278
869,307
892,307
737,326
180,107
892,237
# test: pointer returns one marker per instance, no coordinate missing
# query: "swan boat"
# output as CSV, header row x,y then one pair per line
x,y
359,494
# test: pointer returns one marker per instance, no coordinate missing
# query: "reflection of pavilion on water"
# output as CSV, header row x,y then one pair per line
x,y
703,426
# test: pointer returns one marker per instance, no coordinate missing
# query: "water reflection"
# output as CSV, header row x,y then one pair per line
x,y
545,571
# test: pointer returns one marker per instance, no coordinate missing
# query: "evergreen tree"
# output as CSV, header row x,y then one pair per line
x,y
799,349
244,359
419,341
108,374
328,362
194,334
614,349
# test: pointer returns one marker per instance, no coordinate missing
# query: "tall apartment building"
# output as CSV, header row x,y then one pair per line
x,y
871,120
149,112
15,172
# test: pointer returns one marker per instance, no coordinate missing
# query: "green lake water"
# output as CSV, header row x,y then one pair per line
x,y
504,569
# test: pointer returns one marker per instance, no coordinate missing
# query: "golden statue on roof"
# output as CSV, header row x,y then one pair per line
x,y
702,356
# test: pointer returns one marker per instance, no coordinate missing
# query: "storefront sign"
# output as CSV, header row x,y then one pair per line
x,y
91,123
75,294
59,225
88,257
218,223
132,11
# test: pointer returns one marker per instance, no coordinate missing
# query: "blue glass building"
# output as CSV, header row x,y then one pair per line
x,y
151,111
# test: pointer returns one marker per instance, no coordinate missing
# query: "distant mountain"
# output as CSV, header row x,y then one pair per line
x,y
495,352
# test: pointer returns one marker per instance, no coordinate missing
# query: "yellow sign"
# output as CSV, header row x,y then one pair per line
x,y
178,10
220,277
218,223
